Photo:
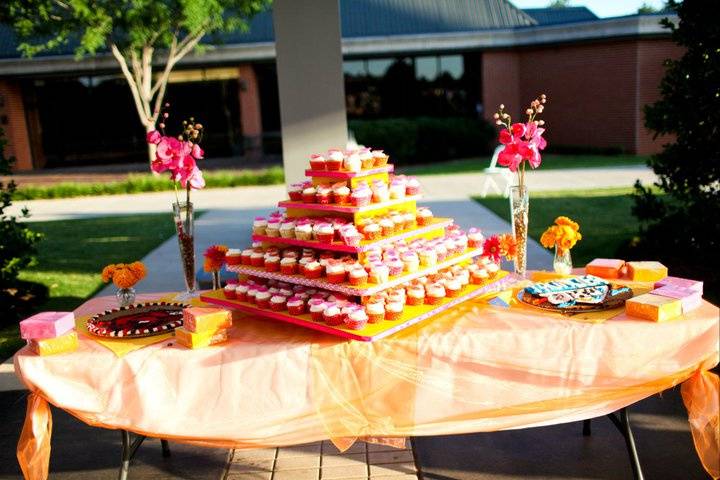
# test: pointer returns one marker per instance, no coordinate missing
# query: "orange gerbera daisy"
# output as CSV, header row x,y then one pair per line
x,y
214,258
508,246
563,235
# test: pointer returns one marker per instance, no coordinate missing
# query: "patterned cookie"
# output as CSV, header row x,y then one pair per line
x,y
576,294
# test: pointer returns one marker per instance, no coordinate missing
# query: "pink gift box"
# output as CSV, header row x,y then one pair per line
x,y
47,325
690,299
695,285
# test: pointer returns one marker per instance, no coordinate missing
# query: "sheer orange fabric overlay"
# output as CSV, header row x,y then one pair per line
x,y
474,368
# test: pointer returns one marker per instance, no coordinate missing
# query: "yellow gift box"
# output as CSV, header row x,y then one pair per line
x,y
194,340
52,346
653,307
206,319
646,271
545,276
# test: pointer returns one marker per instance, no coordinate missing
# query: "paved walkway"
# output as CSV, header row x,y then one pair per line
x,y
436,187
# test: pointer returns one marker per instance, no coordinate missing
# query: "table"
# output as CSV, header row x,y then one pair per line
x,y
475,368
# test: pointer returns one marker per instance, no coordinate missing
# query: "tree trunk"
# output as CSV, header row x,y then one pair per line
x,y
151,147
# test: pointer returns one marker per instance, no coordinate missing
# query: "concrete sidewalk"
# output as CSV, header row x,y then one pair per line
x,y
435,187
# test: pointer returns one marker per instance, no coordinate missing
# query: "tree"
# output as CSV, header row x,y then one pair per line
x,y
680,221
140,34
646,8
17,244
559,4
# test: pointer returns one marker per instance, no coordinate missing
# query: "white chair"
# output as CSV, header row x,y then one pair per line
x,y
491,171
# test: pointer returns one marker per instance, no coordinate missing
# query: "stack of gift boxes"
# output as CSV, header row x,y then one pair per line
x,y
203,326
670,297
50,333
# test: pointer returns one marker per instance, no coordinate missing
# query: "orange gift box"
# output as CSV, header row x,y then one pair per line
x,y
52,346
206,319
605,267
646,271
653,307
194,340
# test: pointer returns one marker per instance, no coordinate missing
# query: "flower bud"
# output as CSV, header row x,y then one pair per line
x,y
529,111
498,122
541,122
198,126
161,125
496,116
540,109
502,106
166,115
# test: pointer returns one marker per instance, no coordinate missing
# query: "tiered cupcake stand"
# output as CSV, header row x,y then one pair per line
x,y
411,315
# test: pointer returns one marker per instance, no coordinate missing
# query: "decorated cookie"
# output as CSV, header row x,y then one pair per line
x,y
576,294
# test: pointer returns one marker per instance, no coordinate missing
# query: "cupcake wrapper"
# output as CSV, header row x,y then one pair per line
x,y
258,263
263,304
233,260
355,325
288,270
336,278
332,165
295,196
313,274
326,237
432,300
272,233
296,310
277,307
333,321
241,297
308,198
230,295
317,166
272,267
415,300
392,315
316,316
259,230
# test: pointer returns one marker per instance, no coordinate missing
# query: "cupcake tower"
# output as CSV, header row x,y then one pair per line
x,y
354,256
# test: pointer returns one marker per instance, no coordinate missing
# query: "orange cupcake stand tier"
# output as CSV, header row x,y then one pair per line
x,y
412,314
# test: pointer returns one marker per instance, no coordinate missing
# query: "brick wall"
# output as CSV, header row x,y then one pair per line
x,y
14,122
596,90
650,70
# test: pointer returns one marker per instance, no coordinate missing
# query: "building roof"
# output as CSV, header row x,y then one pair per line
x,y
367,18
554,16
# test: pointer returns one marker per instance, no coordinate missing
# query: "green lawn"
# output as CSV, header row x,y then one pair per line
x,y
147,182
550,161
73,252
604,215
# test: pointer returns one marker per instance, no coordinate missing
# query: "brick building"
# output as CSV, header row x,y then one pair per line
x,y
401,58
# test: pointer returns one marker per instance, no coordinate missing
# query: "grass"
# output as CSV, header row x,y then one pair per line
x,y
550,162
146,182
604,215
73,252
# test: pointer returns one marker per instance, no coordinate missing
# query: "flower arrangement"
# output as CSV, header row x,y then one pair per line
x,y
124,275
563,235
179,155
214,258
498,246
523,141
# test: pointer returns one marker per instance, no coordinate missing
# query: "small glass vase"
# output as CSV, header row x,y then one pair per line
x,y
184,226
125,296
562,262
519,209
215,279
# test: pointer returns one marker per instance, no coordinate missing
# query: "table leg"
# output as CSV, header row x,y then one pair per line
x,y
165,448
587,431
128,452
623,425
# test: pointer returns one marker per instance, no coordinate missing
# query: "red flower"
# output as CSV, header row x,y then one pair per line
x,y
491,248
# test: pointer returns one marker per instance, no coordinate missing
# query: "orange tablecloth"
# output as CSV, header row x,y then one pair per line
x,y
475,368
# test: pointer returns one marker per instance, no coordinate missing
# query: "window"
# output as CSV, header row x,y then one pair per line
x,y
453,65
378,67
426,68
354,68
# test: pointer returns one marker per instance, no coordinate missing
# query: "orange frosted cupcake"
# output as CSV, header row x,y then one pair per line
x,y
381,159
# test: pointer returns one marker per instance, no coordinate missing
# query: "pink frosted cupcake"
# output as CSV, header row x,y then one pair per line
x,y
357,276
334,160
360,197
259,226
288,266
295,191
412,186
229,292
332,315
356,319
295,306
324,194
316,307
317,162
475,238
352,163
309,194
278,303
241,292
375,312
341,193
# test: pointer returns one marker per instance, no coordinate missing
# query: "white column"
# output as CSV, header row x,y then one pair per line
x,y
310,80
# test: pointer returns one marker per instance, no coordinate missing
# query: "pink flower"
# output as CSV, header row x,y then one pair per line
x,y
153,137
171,152
535,143
188,171
196,179
197,152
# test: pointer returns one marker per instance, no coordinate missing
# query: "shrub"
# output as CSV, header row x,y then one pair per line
x,y
681,227
425,139
17,246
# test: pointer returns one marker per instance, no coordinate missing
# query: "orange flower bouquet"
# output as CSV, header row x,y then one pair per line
x,y
214,261
563,236
124,276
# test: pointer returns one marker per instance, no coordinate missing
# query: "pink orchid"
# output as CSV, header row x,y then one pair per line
x,y
171,151
535,143
153,137
197,152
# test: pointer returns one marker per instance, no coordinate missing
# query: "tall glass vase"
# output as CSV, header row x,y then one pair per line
x,y
519,208
184,226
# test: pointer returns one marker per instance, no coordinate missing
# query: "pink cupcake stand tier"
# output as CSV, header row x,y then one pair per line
x,y
372,331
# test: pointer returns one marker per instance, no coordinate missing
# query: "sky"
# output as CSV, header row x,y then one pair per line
x,y
602,8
